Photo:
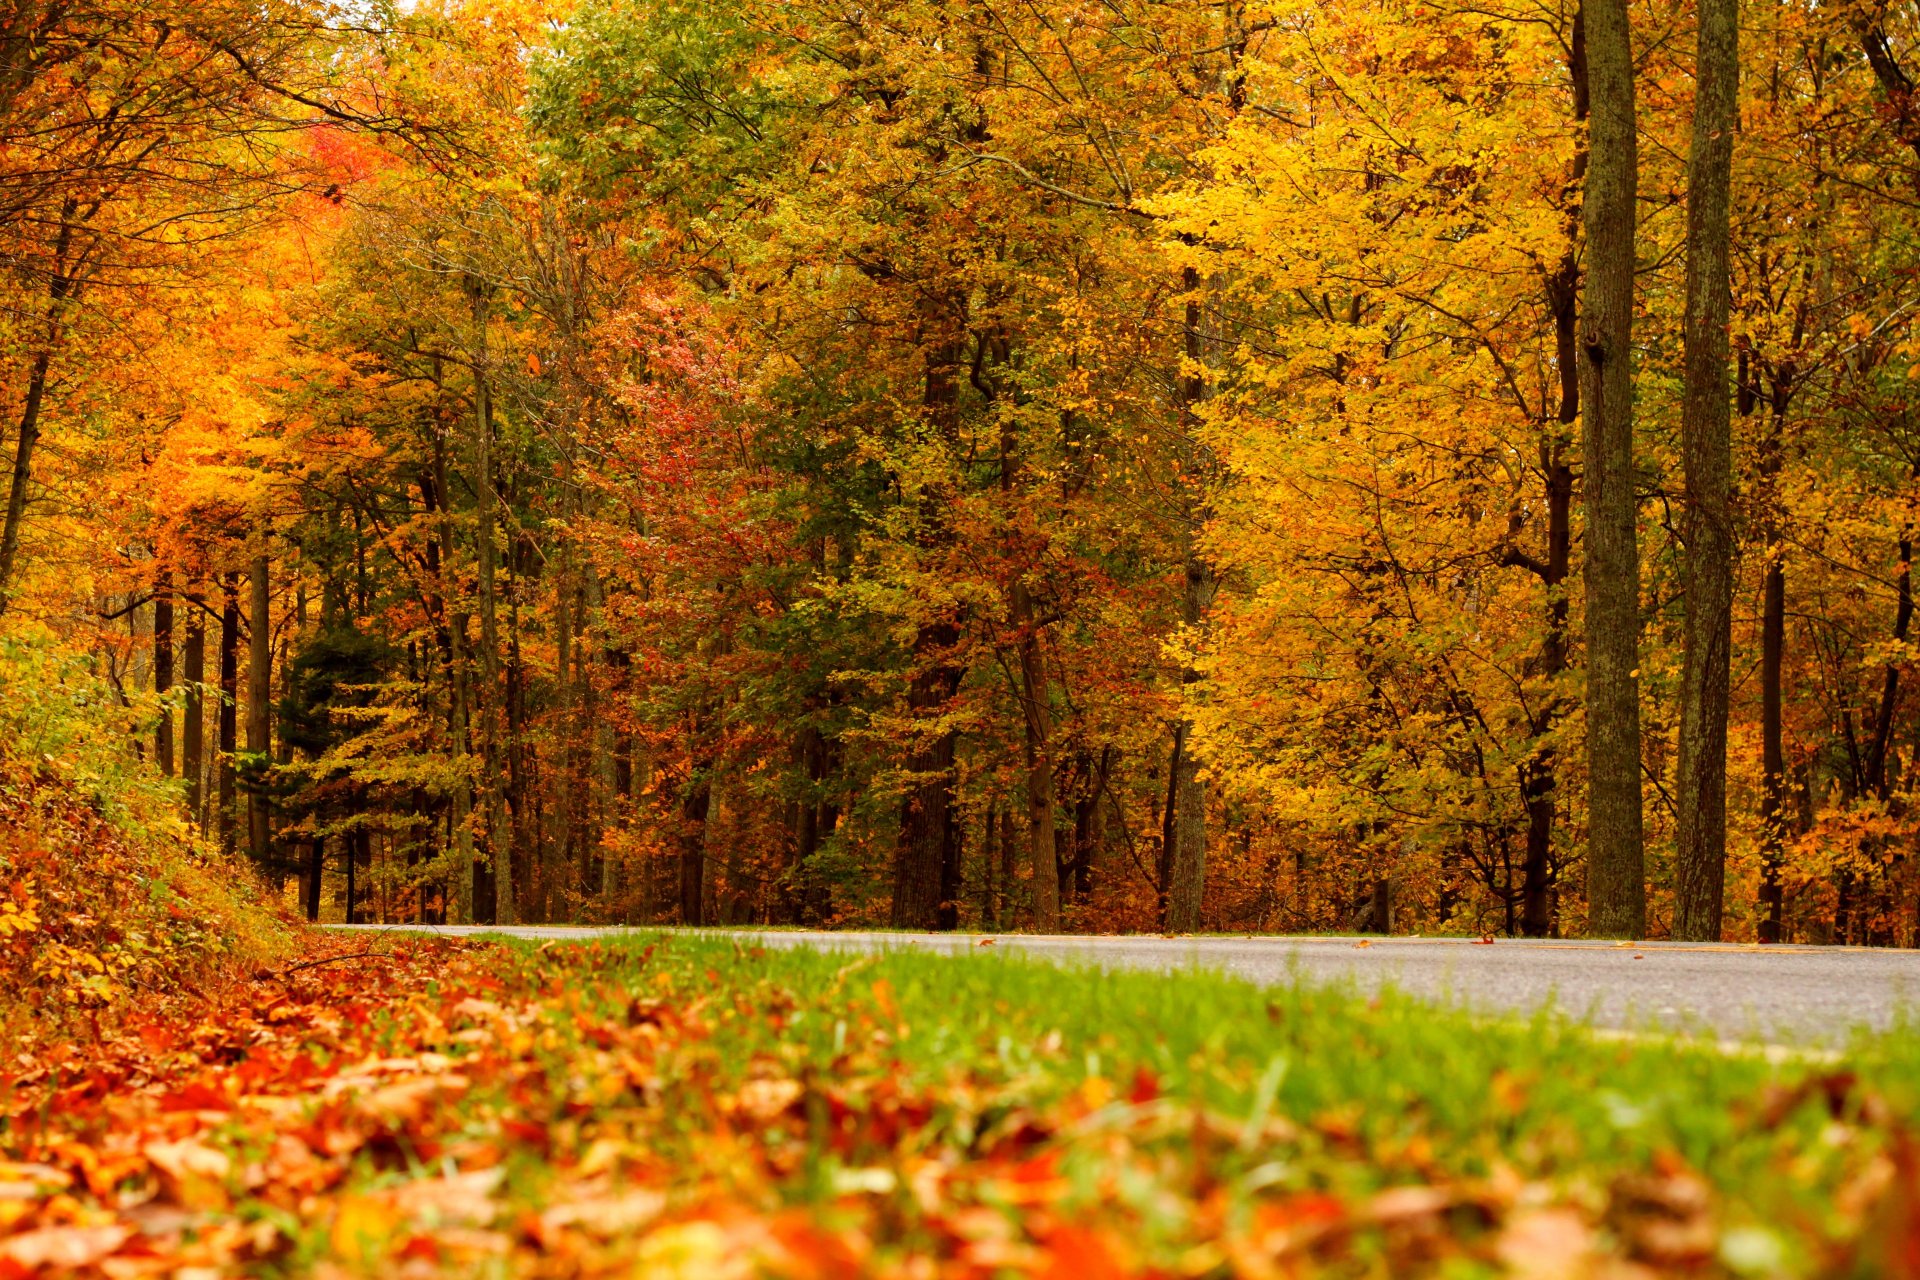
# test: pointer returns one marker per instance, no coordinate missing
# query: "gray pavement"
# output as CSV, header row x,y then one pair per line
x,y
1775,995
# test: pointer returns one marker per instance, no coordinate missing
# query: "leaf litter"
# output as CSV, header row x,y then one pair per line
x,y
452,1107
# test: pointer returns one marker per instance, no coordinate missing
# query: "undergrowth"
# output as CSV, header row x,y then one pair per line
x,y
106,895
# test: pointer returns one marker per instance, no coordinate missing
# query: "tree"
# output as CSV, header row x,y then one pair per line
x,y
1616,886
1708,533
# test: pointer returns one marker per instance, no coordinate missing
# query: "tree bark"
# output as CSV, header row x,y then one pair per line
x,y
259,708
163,668
693,844
229,716
459,705
1616,886
499,831
927,856
558,851
1042,852
316,872
1539,773
1773,789
926,860
60,290
193,660
1707,452
1185,823
1184,826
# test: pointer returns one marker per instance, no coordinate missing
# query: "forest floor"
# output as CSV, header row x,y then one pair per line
x,y
677,1105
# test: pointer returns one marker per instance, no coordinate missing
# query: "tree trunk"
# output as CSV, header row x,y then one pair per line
x,y
348,861
459,706
193,659
1773,790
1707,450
1616,886
1186,817
316,872
1043,855
1184,838
163,668
693,845
558,849
927,853
926,860
1380,907
60,289
1773,644
499,830
1539,774
229,706
259,710
989,853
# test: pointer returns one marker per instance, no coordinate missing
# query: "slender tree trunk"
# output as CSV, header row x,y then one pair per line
x,y
1773,631
989,852
1707,454
459,703
1773,644
193,659
1184,843
1540,772
260,709
163,668
60,290
1186,819
499,830
316,873
559,842
1042,852
229,710
1616,885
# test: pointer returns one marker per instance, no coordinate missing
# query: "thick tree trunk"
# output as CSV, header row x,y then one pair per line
x,y
193,661
260,709
926,863
163,668
1707,452
1616,886
693,845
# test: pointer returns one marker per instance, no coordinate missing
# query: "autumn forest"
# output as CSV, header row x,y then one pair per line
x,y
1403,466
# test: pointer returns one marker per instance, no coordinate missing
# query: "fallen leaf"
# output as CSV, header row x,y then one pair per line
x,y
67,1247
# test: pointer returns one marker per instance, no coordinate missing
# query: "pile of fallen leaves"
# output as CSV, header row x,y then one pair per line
x,y
94,910
432,1107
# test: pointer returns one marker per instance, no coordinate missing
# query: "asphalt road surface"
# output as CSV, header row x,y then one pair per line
x,y
1776,995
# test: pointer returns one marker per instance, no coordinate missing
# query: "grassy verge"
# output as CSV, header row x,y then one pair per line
x,y
704,1107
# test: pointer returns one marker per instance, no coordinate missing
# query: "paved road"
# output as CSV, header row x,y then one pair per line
x,y
1779,995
